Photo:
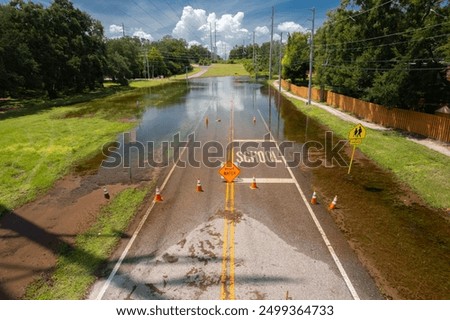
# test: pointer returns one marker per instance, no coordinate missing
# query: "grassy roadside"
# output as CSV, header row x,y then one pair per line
x,y
76,265
223,70
157,82
424,170
41,146
39,149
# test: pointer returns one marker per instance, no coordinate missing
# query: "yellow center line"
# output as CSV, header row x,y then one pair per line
x,y
232,225
223,278
228,252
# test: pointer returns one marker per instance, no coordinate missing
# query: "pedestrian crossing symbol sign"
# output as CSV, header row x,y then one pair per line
x,y
356,134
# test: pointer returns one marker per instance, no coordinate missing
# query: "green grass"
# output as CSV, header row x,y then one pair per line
x,y
148,83
38,149
222,70
426,171
41,144
76,265
157,82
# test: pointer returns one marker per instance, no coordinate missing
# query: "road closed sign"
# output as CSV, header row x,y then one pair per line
x,y
357,134
229,171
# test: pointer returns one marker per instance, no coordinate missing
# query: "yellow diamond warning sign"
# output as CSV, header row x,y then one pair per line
x,y
356,135
229,171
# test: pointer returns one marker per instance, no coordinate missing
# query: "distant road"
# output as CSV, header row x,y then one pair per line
x,y
199,74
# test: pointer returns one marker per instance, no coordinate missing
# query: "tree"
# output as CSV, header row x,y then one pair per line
x,y
198,53
392,53
56,49
175,53
124,60
156,62
295,63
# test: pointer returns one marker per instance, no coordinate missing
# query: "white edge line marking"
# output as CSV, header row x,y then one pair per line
x,y
141,224
349,284
265,180
253,140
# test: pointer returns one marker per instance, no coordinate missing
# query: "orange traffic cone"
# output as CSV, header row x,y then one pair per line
x,y
199,186
314,198
158,197
106,193
253,185
333,203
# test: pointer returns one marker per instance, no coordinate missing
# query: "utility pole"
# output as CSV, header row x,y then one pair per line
x,y
254,57
279,62
271,44
145,65
311,56
148,69
123,29
210,39
215,41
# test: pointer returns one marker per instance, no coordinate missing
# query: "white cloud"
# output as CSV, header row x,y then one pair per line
x,y
290,26
114,29
230,26
141,34
261,31
194,43
195,25
191,24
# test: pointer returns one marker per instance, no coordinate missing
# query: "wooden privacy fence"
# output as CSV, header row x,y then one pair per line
x,y
428,125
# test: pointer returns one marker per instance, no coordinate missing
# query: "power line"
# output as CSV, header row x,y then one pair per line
x,y
368,10
138,21
381,37
383,69
311,56
395,43
351,17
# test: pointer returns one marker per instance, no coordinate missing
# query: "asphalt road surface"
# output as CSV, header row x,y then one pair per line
x,y
231,241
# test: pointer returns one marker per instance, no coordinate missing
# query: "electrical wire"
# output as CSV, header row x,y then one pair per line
x,y
379,37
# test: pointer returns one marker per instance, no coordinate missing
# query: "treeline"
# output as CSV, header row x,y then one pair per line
x,y
54,49
255,57
59,49
394,53
138,58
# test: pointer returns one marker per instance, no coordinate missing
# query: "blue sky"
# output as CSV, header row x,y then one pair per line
x,y
235,20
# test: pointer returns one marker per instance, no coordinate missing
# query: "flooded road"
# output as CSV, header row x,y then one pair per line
x,y
375,212
231,241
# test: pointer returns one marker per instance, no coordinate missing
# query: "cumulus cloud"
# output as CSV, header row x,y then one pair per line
x,y
115,29
197,25
290,26
230,26
141,34
261,31
194,43
191,25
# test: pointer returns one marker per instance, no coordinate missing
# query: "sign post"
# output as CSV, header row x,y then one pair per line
x,y
355,137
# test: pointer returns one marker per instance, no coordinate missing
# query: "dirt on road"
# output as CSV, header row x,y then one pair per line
x,y
32,235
